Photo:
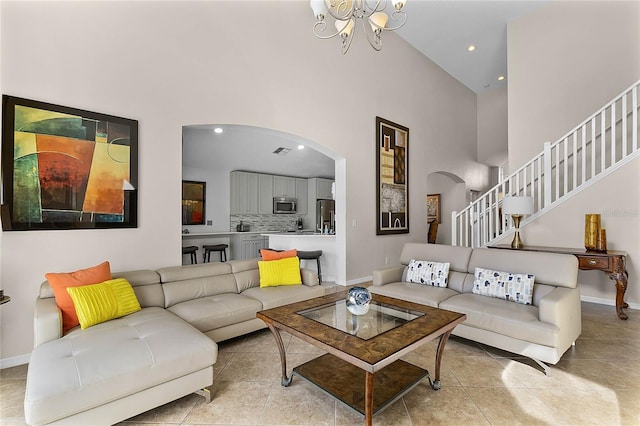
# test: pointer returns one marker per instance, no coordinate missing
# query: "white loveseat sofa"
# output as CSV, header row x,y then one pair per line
x,y
542,331
120,368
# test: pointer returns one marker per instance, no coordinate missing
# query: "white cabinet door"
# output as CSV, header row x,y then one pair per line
x,y
251,247
324,189
302,191
284,186
244,193
265,194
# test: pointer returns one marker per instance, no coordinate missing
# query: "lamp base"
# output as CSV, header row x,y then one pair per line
x,y
517,242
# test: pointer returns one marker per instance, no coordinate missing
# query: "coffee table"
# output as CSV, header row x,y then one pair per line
x,y
362,366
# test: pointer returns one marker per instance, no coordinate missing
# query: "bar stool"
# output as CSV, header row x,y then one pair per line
x,y
309,255
208,248
191,250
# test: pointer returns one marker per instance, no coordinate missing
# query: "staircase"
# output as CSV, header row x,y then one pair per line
x,y
594,149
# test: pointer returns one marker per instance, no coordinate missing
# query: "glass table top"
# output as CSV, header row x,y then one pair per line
x,y
379,319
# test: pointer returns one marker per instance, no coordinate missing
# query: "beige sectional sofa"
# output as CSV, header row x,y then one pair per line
x,y
117,369
542,331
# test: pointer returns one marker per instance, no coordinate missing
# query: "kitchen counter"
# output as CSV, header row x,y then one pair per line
x,y
309,242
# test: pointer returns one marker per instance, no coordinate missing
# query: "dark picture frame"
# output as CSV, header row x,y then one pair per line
x,y
194,196
392,178
433,208
66,168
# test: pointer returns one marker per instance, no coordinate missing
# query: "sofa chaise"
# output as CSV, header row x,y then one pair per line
x,y
117,369
542,330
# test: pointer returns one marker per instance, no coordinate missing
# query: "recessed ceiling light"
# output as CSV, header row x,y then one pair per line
x,y
218,130
500,77
282,151
486,85
471,48
300,146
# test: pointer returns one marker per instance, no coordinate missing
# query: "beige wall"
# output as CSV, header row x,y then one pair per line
x,y
492,127
168,64
566,61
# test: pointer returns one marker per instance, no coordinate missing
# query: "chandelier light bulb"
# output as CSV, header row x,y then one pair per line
x,y
378,21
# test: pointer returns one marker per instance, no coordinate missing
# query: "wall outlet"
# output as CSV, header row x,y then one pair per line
x,y
353,224
210,223
386,260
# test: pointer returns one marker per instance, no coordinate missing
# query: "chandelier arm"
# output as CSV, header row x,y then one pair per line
x,y
375,41
319,27
403,19
344,16
346,44
375,9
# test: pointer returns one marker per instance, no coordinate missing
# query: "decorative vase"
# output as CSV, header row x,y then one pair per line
x,y
358,299
601,245
591,231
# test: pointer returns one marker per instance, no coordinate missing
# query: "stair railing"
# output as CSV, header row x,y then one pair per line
x,y
593,149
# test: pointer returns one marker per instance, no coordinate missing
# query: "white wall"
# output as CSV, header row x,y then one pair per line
x,y
169,64
493,147
567,60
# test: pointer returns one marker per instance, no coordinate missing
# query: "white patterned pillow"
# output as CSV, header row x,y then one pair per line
x,y
429,273
504,285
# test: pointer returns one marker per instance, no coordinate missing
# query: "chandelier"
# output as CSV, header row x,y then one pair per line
x,y
347,13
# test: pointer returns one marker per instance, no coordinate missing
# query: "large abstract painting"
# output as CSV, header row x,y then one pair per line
x,y
392,178
65,168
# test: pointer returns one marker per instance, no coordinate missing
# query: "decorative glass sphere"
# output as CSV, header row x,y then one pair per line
x,y
358,299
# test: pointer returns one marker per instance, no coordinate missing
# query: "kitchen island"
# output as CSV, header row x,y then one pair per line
x,y
308,241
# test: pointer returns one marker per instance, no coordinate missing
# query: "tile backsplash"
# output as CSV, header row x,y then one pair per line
x,y
267,222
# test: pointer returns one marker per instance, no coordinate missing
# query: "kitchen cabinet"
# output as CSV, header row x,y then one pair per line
x,y
265,194
247,246
302,195
323,189
284,186
244,193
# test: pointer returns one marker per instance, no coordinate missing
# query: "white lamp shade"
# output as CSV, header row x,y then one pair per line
x,y
378,20
517,205
345,27
319,7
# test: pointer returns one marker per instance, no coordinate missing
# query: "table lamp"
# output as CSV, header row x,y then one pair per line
x,y
517,207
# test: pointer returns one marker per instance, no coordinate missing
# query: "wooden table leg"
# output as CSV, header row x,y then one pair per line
x,y
368,398
285,381
435,383
620,276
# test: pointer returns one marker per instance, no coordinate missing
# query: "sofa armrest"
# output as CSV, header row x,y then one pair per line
x,y
388,275
562,308
309,277
47,321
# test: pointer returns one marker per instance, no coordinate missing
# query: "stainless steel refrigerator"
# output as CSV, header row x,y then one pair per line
x,y
325,216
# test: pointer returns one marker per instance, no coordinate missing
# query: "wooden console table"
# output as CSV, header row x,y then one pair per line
x,y
612,263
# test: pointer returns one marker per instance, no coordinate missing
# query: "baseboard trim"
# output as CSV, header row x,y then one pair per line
x,y
14,361
607,302
360,280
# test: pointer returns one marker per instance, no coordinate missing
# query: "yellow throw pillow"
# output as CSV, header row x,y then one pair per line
x,y
102,302
280,272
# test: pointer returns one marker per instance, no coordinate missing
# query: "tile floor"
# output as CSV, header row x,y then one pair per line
x,y
596,383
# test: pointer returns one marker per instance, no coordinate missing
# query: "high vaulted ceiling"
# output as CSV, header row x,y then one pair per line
x,y
443,30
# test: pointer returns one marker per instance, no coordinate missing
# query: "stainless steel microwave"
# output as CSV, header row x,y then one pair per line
x,y
284,205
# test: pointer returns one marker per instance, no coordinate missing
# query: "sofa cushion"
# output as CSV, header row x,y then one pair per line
x,y
59,281
428,273
502,317
102,302
280,272
417,293
110,361
272,297
504,285
209,313
267,254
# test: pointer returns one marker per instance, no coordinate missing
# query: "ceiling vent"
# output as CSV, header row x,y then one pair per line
x,y
282,151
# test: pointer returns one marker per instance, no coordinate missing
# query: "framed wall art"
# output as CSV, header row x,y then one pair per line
x,y
66,168
193,202
433,208
392,178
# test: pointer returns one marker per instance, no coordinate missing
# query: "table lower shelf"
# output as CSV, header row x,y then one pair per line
x,y
346,382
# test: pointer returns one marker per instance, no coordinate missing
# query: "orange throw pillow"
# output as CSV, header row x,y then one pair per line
x,y
277,255
59,281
